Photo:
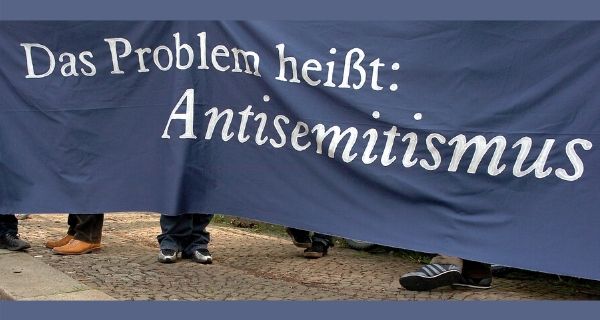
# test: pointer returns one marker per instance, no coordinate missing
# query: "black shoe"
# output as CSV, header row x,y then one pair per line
x,y
431,276
201,256
475,275
316,250
167,255
475,283
501,271
12,242
300,239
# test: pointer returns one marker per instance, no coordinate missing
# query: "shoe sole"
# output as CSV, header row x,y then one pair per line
x,y
16,248
313,255
418,283
472,286
484,283
304,245
167,260
190,257
208,261
76,253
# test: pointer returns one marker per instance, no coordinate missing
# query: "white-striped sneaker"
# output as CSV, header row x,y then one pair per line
x,y
431,276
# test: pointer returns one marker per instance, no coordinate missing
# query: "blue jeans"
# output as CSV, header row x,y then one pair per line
x,y
186,233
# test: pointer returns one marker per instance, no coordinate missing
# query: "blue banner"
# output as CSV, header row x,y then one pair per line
x,y
473,139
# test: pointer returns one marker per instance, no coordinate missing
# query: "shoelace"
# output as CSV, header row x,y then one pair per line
x,y
168,252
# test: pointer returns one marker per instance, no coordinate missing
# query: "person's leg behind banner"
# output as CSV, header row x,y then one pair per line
x,y
316,246
9,234
319,247
477,275
196,245
445,271
174,232
86,232
72,222
300,238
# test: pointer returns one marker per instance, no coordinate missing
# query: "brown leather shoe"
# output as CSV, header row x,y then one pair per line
x,y
59,243
75,247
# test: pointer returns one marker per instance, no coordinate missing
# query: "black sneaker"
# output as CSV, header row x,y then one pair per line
x,y
201,256
167,255
316,250
12,242
475,283
431,276
475,275
501,271
300,239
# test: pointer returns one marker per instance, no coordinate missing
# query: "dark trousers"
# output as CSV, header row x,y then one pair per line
x,y
186,232
325,239
86,227
476,270
8,224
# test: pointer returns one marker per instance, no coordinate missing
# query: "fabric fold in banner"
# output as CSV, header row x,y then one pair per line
x,y
472,139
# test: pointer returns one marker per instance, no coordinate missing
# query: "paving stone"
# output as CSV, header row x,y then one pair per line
x,y
250,266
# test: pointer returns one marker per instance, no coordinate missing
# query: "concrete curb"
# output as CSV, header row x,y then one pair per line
x,y
23,277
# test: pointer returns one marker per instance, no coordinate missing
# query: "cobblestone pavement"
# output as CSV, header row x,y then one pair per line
x,y
251,266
